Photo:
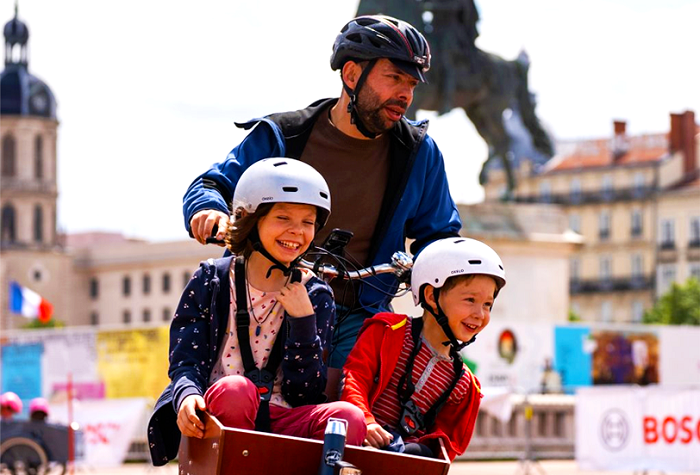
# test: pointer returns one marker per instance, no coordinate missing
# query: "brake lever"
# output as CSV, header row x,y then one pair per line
x,y
212,239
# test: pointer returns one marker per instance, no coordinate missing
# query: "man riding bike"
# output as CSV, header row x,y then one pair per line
x,y
386,175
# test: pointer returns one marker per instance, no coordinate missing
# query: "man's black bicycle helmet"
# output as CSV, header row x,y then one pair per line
x,y
373,37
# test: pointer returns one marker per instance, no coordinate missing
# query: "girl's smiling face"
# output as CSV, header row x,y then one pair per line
x,y
287,230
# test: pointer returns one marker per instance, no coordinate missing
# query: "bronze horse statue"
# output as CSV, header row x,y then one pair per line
x,y
491,90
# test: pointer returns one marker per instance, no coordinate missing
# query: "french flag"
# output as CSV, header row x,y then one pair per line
x,y
28,303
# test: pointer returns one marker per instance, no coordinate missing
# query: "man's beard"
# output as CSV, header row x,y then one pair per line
x,y
369,109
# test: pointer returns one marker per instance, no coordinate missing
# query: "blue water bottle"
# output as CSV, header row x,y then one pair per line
x,y
333,445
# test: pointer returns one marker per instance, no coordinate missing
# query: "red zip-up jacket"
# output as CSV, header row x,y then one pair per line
x,y
372,363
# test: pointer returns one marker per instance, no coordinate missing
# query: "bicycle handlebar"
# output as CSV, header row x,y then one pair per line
x,y
400,265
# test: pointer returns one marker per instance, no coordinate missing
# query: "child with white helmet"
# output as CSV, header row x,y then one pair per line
x,y
406,373
251,334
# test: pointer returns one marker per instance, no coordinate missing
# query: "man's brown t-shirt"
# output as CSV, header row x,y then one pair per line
x,y
356,171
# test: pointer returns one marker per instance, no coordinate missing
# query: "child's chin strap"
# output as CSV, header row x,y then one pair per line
x,y
286,270
442,320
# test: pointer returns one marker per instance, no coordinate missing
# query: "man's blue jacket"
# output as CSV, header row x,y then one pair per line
x,y
417,203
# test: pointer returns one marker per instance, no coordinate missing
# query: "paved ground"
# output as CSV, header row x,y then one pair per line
x,y
547,467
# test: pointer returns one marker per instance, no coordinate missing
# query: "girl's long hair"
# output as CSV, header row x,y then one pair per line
x,y
240,228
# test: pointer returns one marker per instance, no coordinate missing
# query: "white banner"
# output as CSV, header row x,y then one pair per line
x,y
636,428
108,426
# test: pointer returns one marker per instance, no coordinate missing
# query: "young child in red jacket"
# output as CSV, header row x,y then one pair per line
x,y
406,373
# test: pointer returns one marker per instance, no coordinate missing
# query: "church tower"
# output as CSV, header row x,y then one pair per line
x,y
31,253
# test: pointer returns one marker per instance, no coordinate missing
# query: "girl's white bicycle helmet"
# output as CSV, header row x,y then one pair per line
x,y
450,257
283,180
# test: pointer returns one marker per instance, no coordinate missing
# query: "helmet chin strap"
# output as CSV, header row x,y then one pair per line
x,y
352,105
442,320
258,246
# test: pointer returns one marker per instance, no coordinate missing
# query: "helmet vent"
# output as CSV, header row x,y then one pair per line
x,y
458,241
323,195
500,267
475,262
290,189
355,38
280,163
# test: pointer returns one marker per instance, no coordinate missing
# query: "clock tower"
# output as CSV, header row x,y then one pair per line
x,y
31,252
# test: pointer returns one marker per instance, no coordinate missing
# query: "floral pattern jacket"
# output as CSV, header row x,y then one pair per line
x,y
197,332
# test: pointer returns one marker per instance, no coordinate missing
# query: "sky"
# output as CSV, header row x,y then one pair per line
x,y
148,91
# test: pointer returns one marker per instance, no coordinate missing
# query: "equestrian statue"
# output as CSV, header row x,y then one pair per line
x,y
492,91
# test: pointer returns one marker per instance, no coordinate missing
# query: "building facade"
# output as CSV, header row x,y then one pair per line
x,y
96,278
635,202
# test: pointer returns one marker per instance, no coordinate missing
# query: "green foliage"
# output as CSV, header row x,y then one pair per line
x,y
573,316
679,306
37,324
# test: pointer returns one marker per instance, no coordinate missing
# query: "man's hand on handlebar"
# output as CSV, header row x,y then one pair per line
x,y
203,222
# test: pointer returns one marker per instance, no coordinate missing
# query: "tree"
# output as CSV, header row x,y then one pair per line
x,y
679,306
38,324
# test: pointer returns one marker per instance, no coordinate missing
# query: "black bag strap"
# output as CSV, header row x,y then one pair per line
x,y
406,388
263,378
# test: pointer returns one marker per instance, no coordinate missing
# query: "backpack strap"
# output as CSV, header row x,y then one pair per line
x,y
264,379
412,419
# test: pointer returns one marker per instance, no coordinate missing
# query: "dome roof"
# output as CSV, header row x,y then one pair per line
x,y
16,32
22,93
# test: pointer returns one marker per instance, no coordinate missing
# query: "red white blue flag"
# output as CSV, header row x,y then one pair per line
x,y
28,303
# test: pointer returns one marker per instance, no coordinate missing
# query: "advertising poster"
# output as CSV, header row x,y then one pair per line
x,y
512,355
65,351
133,363
21,370
108,427
573,356
639,429
679,367
625,357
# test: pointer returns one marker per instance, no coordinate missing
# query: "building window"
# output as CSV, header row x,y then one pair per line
x,y
575,190
38,158
8,224
38,224
94,319
636,218
606,313
575,270
146,284
605,268
186,279
146,315
637,311
666,277
695,270
694,232
166,283
126,317
638,185
575,222
94,288
607,187
637,266
9,162
545,192
667,234
126,286
604,225
167,314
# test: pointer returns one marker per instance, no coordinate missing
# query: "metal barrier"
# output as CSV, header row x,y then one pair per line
x,y
545,431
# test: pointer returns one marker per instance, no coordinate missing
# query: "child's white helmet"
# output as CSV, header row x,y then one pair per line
x,y
283,180
450,257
